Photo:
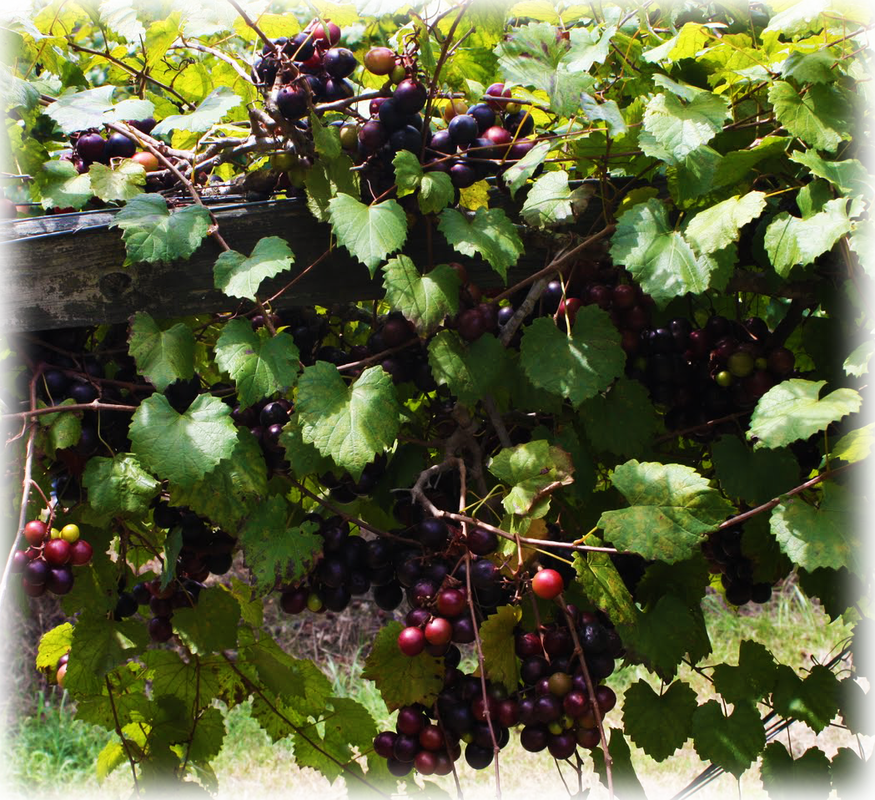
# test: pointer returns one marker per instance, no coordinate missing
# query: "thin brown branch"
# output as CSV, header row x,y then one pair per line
x,y
94,405
252,24
118,730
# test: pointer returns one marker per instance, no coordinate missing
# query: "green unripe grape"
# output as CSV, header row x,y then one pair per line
x,y
567,722
284,161
349,137
398,74
556,727
55,533
761,363
560,683
740,364
723,378
69,533
314,602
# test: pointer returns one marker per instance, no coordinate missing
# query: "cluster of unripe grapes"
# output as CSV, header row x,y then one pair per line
x,y
46,565
724,553
700,374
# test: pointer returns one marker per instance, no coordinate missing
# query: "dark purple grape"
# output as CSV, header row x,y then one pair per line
x,y
481,542
399,768
292,103
561,746
333,572
548,708
294,601
458,719
91,147
484,115
483,574
533,669
519,149
389,596
373,135
59,580
335,598
409,96
533,738
594,638
338,89
442,142
379,553
519,124
160,629
463,176
391,116
463,630
300,47
125,606
219,563
406,138
405,747
120,146
463,129
433,533
478,757
19,562
36,572
143,125
266,69
56,382
384,743
339,62
275,413
272,47
422,593
141,594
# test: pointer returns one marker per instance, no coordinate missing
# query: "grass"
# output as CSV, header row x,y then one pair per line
x,y
52,752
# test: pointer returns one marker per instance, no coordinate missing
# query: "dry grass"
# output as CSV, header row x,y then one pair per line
x,y
250,766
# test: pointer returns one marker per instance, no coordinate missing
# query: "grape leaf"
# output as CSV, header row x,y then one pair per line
x,y
520,171
297,681
752,679
497,640
607,112
755,476
62,429
672,508
211,625
791,411
59,185
850,175
814,700
821,117
625,781
602,584
529,469
218,103
351,424
182,447
92,108
172,549
659,258
229,492
852,777
370,233
622,421
260,365
855,445
489,232
423,299
436,192
664,633
718,226
687,579
119,486
790,240
408,172
659,723
152,233
123,183
857,363
95,650
273,549
732,742
575,366
162,356
680,128
238,276
325,139
786,778
208,737
551,201
52,645
823,536
303,457
588,47
326,179
469,370
112,756
400,679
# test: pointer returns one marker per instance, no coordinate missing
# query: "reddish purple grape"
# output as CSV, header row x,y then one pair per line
x,y
292,103
91,147
384,743
339,62
411,641
160,629
120,146
410,96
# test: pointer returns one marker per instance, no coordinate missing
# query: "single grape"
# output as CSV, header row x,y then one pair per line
x,y
380,60
410,96
547,584
411,641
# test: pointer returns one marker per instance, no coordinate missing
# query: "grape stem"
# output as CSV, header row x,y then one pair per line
x,y
252,24
590,687
118,730
94,405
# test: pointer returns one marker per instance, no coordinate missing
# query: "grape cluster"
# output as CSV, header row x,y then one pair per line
x,y
701,374
47,563
723,551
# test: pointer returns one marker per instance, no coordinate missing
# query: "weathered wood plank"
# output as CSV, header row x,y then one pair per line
x,y
67,270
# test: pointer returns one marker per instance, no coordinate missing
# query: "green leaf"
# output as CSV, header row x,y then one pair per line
x,y
852,777
119,486
814,701
623,420
95,650
821,117
520,171
498,642
260,365
732,742
151,232
370,233
529,469
162,356
659,258
401,679
238,276
209,735
182,447
578,366
423,299
855,445
123,183
436,192
274,550
626,783
588,47
325,139
849,176
92,108
719,226
755,476
822,536
351,424
218,103
52,645
672,508
408,172
752,679
608,112
790,240
680,128
172,549
786,778
303,457
857,363
791,411
489,232
59,185
211,625
231,491
326,179
470,370
602,584
550,201
63,429
659,723
113,755
664,634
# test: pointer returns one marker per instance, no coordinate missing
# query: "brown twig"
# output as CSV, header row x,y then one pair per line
x,y
252,24
94,405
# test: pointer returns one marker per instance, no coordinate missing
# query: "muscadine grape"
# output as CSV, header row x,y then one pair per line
x,y
453,108
384,743
431,737
533,738
561,746
399,768
91,147
339,62
478,757
70,533
60,580
120,146
35,532
160,629
723,378
462,176
329,33
496,90
57,552
80,552
373,135
451,602
411,641
397,74
425,762
559,684
463,129
19,562
61,674
605,698
410,96
519,124
379,60
548,584
148,161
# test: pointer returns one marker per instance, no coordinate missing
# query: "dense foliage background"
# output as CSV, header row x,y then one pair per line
x,y
638,381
